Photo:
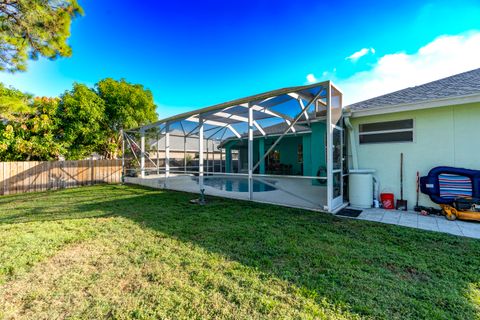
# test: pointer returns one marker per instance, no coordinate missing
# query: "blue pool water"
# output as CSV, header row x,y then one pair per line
x,y
235,184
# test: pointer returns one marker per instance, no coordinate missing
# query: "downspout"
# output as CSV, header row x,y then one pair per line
x,y
353,145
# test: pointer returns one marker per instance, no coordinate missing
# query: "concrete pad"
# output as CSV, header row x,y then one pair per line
x,y
371,215
414,220
468,225
429,227
471,233
427,223
469,228
391,217
375,217
449,227
408,220
389,220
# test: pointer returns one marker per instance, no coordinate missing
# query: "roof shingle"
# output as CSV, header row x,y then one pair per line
x,y
454,86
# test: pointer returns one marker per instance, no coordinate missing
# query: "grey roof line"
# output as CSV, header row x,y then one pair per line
x,y
462,84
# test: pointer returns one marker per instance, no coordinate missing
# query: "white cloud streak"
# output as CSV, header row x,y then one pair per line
x,y
357,55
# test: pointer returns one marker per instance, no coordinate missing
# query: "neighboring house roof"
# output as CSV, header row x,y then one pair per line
x,y
177,142
278,129
459,85
272,131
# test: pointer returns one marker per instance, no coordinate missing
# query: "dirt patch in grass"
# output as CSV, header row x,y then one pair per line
x,y
35,294
144,275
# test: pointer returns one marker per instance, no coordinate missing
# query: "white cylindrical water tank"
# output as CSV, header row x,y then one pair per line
x,y
360,188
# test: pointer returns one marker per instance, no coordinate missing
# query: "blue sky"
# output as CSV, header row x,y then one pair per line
x,y
196,53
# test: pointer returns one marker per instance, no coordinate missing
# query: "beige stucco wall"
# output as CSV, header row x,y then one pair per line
x,y
446,136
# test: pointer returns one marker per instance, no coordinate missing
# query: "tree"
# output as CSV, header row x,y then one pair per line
x,y
13,102
35,137
81,116
81,122
33,28
126,106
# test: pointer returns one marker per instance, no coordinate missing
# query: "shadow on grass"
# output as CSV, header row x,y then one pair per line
x,y
367,268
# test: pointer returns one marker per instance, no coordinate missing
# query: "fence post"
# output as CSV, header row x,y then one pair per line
x,y
3,178
49,176
92,167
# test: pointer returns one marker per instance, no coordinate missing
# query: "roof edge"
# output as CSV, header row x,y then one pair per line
x,y
418,86
428,104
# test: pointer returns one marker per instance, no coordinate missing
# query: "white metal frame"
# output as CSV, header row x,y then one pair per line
x,y
336,202
333,203
223,118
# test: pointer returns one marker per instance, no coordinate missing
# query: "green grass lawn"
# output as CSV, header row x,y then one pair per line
x,y
128,252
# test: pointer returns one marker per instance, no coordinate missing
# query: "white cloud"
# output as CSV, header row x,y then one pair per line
x,y
311,78
444,56
363,52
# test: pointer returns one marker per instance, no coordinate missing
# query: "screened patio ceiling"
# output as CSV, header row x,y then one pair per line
x,y
300,103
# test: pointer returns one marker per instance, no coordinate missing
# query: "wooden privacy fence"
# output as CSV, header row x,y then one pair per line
x,y
30,176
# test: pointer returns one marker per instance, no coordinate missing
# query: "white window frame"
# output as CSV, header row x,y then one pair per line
x,y
413,130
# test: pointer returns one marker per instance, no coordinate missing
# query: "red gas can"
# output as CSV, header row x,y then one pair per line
x,y
387,200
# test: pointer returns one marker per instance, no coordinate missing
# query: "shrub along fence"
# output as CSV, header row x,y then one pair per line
x,y
30,176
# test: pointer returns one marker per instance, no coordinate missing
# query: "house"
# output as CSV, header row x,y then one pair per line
x,y
434,124
297,146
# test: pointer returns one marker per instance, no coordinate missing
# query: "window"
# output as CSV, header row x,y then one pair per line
x,y
389,131
300,153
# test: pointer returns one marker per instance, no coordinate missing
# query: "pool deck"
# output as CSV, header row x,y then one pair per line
x,y
291,192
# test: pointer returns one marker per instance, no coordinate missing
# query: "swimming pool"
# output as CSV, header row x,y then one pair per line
x,y
235,184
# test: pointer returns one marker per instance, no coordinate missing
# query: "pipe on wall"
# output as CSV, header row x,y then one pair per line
x,y
353,145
